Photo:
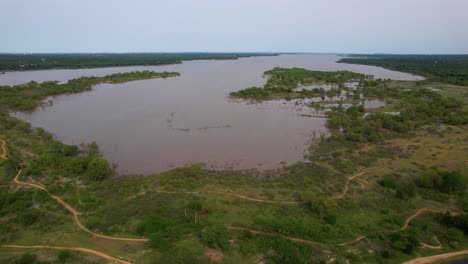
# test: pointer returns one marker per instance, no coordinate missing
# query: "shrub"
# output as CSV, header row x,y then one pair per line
x,y
195,170
98,169
215,236
63,256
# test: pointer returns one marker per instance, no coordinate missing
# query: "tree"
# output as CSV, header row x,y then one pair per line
x,y
215,236
319,204
93,149
98,169
452,182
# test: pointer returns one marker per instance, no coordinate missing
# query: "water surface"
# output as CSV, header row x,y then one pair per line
x,y
150,126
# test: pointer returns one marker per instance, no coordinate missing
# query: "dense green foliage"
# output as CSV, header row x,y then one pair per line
x,y
282,82
418,107
15,62
98,168
451,69
28,96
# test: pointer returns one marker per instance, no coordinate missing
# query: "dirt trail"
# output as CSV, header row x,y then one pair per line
x,y
85,250
420,211
405,226
3,156
273,233
74,212
235,195
346,187
340,196
439,246
348,182
431,259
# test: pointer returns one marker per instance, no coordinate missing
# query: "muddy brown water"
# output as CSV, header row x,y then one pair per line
x,y
152,126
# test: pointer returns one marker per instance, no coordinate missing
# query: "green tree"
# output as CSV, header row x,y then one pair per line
x,y
319,204
98,169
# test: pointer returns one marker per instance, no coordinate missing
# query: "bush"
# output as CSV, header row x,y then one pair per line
x,y
27,259
406,190
98,169
195,170
405,241
442,181
215,237
27,218
388,181
63,256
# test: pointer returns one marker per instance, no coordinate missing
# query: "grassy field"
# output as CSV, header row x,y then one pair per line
x,y
353,201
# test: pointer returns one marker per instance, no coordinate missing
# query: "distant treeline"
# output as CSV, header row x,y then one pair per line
x,y
17,62
451,69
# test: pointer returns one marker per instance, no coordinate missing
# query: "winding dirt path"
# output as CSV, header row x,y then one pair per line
x,y
84,250
3,156
340,196
346,187
420,211
305,241
73,211
430,259
350,179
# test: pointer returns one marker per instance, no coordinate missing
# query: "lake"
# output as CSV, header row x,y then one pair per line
x,y
151,126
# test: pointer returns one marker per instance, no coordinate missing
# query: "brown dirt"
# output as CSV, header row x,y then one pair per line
x,y
3,156
431,259
214,255
439,246
85,250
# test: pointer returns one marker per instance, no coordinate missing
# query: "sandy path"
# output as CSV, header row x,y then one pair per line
x,y
3,156
74,212
85,250
430,259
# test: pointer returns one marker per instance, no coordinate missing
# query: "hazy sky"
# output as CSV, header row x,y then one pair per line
x,y
367,26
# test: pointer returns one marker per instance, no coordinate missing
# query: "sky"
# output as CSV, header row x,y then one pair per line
x,y
335,26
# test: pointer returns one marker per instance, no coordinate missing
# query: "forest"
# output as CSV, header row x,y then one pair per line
x,y
452,69
38,61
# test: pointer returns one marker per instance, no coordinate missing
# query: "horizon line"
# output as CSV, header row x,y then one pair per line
x,y
223,52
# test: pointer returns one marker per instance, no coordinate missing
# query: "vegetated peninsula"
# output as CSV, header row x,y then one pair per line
x,y
387,185
38,61
283,83
28,96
